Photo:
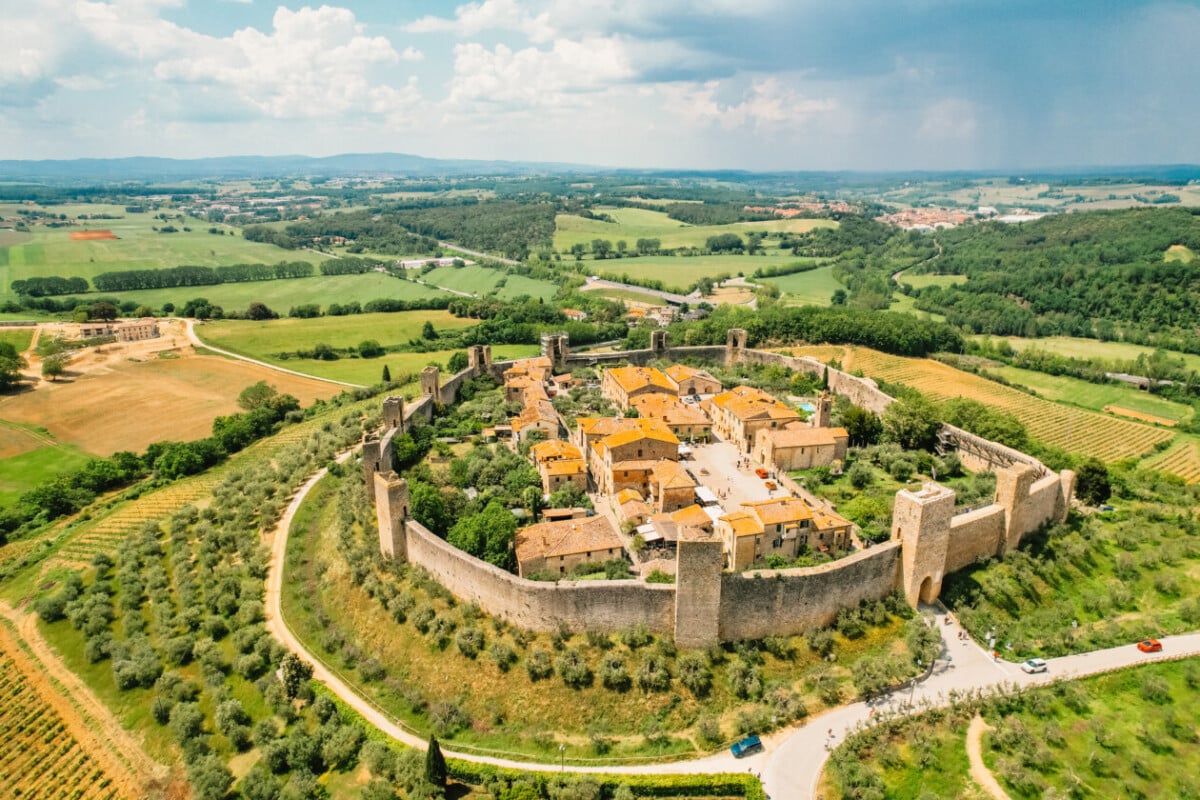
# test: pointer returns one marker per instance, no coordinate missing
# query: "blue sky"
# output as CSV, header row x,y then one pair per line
x,y
705,84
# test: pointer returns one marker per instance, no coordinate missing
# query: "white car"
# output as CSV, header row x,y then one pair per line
x,y
1035,665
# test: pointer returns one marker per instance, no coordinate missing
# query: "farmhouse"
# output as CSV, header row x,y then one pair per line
x,y
800,447
90,330
622,384
558,547
740,413
137,330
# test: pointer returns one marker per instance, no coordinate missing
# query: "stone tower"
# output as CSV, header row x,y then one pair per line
x,y
698,565
479,359
393,412
1012,492
921,521
821,417
735,343
391,509
371,460
658,342
431,383
555,346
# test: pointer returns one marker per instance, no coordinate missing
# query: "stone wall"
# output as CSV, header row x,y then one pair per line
x,y
448,391
974,535
607,606
698,565
773,603
861,391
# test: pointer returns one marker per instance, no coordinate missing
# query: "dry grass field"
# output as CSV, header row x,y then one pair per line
x,y
1073,429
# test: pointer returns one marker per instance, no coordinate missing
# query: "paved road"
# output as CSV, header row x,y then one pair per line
x,y
603,283
478,254
791,763
198,342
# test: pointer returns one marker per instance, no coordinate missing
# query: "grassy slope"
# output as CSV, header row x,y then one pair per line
x,y
1096,396
20,473
921,281
680,272
18,338
632,295
812,288
50,251
638,223
1073,347
480,280
282,295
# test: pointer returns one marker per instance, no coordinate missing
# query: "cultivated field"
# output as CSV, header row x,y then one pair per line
x,y
812,288
632,296
639,223
678,273
481,281
22,472
41,757
1073,429
1182,459
1073,347
284,294
921,281
51,251
1094,396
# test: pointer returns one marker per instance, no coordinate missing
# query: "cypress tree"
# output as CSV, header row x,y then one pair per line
x,y
435,764
387,374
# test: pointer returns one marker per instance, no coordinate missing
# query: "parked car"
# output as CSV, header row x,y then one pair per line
x,y
1149,646
760,472
1035,665
747,746
771,485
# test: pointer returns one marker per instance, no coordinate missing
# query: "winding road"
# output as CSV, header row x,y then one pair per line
x,y
791,763
196,341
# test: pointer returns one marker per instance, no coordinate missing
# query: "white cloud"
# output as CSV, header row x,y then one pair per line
x,y
488,15
411,53
767,105
951,119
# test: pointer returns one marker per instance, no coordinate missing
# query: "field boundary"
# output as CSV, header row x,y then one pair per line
x,y
198,342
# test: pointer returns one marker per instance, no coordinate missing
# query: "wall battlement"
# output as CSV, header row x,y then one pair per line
x,y
706,605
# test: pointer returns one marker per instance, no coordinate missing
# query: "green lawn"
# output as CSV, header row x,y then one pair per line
x,y
812,288
678,273
20,473
1074,347
1129,733
283,294
907,305
50,251
1178,252
1073,391
639,223
632,295
921,281
480,280
266,340
18,337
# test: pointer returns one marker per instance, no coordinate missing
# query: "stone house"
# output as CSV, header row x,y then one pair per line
x,y
559,463
690,381
801,447
557,547
781,526
622,384
685,420
539,416
740,413
136,330
671,486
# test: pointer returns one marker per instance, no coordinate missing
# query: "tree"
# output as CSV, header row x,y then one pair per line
x,y
838,298
369,348
577,250
458,362
487,535
435,764
912,423
258,395
11,365
601,248
259,311
1091,482
103,310
862,426
387,374
54,366
295,674
428,507
427,331
531,498
648,246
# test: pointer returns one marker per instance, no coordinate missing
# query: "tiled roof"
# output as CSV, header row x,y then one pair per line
x,y
779,510
632,379
566,537
807,437
670,475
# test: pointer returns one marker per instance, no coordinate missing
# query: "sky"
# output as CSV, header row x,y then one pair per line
x,y
699,84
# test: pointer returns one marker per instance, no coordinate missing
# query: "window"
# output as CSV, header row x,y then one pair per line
x,y
776,543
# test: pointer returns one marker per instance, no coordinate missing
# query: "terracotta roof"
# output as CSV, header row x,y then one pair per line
x,y
566,466
625,495
638,465
633,378
554,450
681,372
631,509
743,523
746,403
662,434
566,537
669,409
541,411
779,510
670,475
693,516
807,437
827,520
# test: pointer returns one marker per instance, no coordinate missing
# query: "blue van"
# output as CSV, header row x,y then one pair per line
x,y
747,746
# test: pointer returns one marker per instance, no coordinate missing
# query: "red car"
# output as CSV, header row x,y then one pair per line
x,y
760,472
1150,646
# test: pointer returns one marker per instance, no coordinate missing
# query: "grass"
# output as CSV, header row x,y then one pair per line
x,y
679,273
633,296
907,305
481,281
18,338
509,712
1073,347
921,281
1095,396
282,295
267,340
1128,733
639,223
812,288
50,251
1180,253
20,473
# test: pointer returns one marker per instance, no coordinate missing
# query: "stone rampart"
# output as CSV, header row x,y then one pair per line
x,y
782,602
607,606
975,534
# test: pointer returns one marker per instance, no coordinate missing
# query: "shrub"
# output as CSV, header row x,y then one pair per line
x,y
537,664
502,654
653,675
745,680
694,673
573,669
635,637
469,642
613,674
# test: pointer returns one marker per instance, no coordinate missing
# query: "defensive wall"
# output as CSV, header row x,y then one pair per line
x,y
706,605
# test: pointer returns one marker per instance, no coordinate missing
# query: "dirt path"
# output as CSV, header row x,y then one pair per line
x,y
979,771
87,719
198,342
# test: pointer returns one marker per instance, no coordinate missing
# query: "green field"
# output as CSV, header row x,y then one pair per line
x,y
679,273
812,288
1073,347
50,251
1178,252
921,281
20,473
632,295
18,337
639,223
1096,396
481,281
283,294
265,340
1127,734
